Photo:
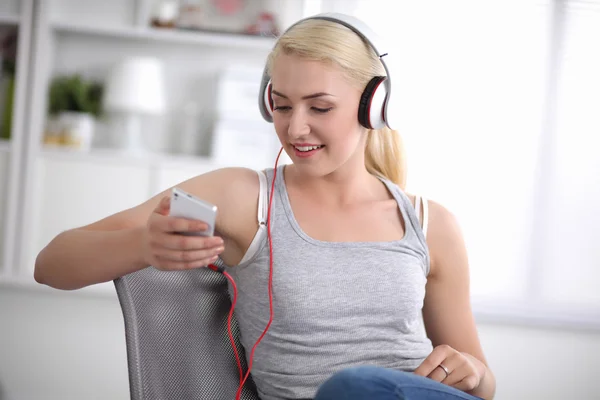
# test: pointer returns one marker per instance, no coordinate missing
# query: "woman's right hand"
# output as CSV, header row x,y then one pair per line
x,y
165,248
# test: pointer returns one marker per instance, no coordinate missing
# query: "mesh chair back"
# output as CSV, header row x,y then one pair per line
x,y
176,335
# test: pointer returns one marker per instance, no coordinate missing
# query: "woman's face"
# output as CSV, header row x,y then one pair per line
x,y
315,114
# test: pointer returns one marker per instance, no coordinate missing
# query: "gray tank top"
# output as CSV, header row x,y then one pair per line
x,y
336,304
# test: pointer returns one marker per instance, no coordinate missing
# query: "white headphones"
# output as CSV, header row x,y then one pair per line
x,y
376,100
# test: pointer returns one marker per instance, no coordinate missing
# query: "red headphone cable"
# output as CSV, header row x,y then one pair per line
x,y
270,288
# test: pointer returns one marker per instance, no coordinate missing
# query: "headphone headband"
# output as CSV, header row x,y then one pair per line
x,y
375,42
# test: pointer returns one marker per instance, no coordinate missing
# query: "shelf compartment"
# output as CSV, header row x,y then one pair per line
x,y
168,35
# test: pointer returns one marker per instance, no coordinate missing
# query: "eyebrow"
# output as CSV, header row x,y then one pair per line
x,y
310,96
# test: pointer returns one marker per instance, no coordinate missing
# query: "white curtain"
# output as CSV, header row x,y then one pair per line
x,y
501,114
571,256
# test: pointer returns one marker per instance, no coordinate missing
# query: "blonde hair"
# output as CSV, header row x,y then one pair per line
x,y
335,44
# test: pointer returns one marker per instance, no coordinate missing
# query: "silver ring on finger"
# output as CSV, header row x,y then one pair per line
x,y
443,367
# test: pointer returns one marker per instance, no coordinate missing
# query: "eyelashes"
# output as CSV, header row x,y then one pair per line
x,y
316,109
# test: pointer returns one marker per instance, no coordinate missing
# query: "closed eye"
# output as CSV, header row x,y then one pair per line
x,y
317,109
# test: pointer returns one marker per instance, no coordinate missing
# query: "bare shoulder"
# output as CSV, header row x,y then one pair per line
x,y
235,193
224,186
233,190
444,237
441,221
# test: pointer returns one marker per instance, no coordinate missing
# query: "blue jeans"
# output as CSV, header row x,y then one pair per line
x,y
375,383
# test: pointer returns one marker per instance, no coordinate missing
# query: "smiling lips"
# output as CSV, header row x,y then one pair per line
x,y
304,150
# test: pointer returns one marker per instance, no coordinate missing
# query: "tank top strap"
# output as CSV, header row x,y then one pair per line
x,y
409,214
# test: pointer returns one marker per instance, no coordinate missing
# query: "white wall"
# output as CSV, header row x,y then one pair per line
x,y
66,346
61,346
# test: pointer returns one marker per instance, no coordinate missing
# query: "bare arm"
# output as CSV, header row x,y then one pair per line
x,y
118,245
447,309
99,252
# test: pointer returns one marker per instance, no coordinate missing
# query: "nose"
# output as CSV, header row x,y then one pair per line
x,y
298,126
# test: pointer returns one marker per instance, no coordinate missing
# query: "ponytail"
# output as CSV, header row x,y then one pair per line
x,y
385,156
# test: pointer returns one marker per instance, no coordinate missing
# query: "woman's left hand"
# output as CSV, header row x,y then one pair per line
x,y
453,368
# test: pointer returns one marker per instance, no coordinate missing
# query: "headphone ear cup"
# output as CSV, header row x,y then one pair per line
x,y
372,103
267,105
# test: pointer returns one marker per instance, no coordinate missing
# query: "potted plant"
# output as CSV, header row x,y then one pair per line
x,y
74,104
8,66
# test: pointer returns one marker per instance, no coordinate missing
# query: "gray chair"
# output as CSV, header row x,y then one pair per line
x,y
176,335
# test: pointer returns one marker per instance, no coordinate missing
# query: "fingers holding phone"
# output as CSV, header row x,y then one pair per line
x,y
180,233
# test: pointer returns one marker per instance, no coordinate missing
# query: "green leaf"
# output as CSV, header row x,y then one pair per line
x,y
74,93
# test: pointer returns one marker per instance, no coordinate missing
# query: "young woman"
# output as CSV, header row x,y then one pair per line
x,y
370,293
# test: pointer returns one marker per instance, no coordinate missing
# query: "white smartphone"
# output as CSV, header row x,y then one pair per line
x,y
185,205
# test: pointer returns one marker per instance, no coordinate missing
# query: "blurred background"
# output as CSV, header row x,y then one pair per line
x,y
105,103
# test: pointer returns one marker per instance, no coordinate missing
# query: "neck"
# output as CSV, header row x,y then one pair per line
x,y
346,186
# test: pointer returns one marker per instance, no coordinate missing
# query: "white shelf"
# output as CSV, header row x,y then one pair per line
x,y
167,35
9,19
108,156
4,146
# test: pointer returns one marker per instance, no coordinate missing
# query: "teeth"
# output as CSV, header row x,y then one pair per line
x,y
307,148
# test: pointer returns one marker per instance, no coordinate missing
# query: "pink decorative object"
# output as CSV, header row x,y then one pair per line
x,y
265,25
228,7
